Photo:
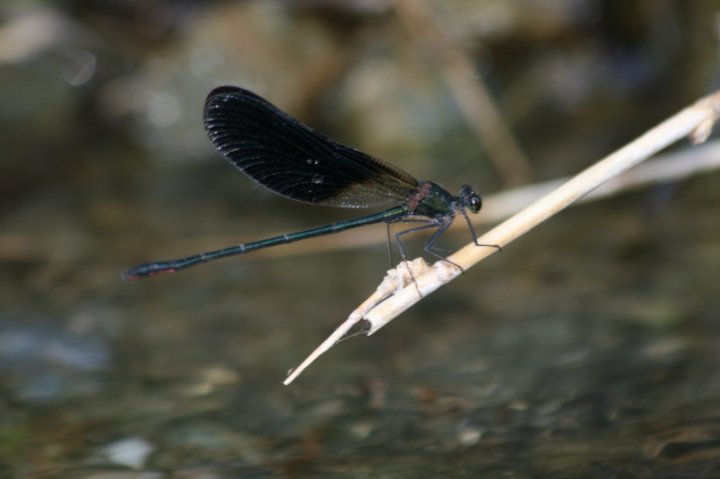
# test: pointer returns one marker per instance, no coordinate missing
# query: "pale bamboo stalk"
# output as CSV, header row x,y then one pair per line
x,y
695,121
385,304
395,279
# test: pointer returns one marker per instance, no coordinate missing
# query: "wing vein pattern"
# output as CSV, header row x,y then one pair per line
x,y
293,160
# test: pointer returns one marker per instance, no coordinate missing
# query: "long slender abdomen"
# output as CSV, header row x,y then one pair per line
x,y
151,269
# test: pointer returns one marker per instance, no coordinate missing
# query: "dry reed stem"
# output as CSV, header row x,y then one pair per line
x,y
695,121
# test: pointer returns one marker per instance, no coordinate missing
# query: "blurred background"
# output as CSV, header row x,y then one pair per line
x,y
589,348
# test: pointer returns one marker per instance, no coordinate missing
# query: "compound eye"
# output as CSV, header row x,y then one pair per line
x,y
475,203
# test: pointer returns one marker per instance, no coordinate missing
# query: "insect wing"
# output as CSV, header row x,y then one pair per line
x,y
293,160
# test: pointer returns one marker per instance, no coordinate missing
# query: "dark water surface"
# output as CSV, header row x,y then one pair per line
x,y
587,349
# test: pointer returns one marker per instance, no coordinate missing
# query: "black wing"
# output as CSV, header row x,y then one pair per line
x,y
293,160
